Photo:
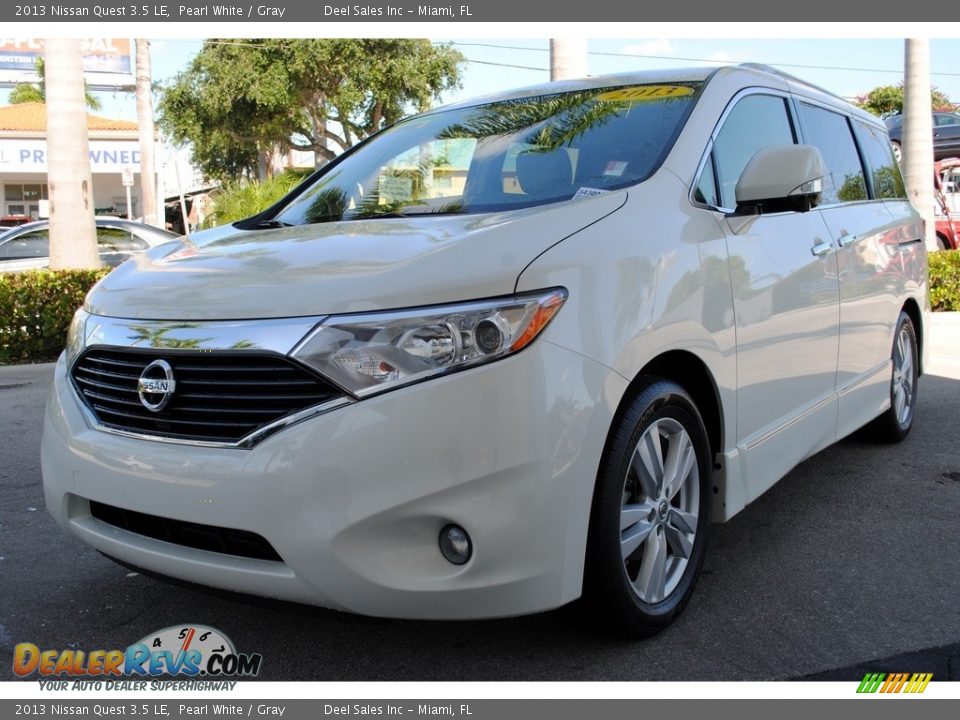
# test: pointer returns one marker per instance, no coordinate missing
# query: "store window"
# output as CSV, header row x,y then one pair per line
x,y
23,199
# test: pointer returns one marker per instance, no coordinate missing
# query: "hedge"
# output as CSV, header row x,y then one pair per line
x,y
36,306
945,280
35,311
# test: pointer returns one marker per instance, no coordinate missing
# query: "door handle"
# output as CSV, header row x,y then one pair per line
x,y
847,240
821,248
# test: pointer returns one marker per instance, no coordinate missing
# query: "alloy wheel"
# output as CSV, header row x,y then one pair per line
x,y
659,511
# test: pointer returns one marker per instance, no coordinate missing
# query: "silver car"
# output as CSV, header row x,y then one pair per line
x,y
27,247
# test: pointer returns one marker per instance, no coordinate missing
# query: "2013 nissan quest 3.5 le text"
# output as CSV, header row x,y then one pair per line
x,y
503,355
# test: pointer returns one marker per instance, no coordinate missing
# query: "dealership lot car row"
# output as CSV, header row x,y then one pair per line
x,y
504,355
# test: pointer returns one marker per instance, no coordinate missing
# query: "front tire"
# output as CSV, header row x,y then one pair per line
x,y
651,514
897,151
895,423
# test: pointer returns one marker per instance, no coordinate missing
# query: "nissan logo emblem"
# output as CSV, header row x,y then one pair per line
x,y
156,385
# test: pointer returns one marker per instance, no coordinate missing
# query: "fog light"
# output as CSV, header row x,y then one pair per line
x,y
455,544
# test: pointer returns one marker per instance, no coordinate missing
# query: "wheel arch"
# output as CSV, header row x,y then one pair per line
x,y
912,309
692,374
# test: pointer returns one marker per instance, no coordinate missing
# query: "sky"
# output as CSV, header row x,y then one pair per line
x,y
846,67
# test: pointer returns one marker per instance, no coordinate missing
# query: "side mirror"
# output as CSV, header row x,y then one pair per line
x,y
781,178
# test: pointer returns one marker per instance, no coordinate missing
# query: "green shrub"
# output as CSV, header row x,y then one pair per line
x,y
238,200
945,280
35,311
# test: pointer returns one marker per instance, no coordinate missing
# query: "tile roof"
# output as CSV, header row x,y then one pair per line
x,y
32,117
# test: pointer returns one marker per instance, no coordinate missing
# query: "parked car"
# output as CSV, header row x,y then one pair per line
x,y
946,134
945,190
27,247
504,355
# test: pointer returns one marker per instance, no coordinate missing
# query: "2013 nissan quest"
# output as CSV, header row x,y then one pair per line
x,y
503,355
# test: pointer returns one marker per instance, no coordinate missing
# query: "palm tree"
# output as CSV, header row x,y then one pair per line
x,y
918,133
73,239
148,181
31,92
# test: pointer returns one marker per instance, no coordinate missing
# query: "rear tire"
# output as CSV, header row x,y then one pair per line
x,y
897,151
651,514
895,423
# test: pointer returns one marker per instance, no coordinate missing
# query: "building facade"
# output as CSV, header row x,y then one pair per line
x,y
114,147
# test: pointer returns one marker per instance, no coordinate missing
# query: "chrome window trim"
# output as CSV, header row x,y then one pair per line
x,y
273,335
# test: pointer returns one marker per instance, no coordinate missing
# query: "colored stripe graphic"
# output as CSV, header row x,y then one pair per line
x,y
894,682
919,682
871,682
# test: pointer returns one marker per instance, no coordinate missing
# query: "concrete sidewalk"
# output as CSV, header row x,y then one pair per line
x,y
944,353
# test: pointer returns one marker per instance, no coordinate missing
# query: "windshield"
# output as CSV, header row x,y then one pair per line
x,y
502,156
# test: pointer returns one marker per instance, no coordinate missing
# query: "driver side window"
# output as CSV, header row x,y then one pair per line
x,y
756,122
35,244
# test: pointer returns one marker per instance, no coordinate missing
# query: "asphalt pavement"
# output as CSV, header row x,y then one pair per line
x,y
852,561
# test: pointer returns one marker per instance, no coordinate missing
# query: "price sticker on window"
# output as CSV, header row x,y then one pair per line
x,y
645,93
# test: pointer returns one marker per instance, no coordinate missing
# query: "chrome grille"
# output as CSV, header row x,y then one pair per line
x,y
219,397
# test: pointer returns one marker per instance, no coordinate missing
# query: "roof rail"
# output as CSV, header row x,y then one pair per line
x,y
787,76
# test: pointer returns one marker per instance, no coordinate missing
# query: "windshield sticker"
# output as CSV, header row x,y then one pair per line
x,y
585,192
395,189
645,93
615,168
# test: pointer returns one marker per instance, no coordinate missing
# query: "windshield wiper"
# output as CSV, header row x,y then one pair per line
x,y
269,224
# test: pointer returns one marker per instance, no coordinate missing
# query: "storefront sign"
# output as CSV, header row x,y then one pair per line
x,y
106,156
107,62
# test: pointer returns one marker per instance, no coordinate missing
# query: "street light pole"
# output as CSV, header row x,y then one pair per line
x,y
568,58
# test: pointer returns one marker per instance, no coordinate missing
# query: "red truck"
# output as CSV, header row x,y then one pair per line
x,y
944,184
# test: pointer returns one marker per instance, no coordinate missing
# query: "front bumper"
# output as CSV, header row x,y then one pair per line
x,y
353,500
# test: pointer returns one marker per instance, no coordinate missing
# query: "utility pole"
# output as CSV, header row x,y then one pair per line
x,y
918,134
568,58
73,236
148,174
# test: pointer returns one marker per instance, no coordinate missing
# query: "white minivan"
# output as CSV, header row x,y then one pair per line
x,y
504,355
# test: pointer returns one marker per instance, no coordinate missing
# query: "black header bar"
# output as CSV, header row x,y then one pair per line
x,y
402,11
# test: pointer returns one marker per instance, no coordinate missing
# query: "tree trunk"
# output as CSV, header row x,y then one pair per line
x,y
918,134
73,237
263,164
148,175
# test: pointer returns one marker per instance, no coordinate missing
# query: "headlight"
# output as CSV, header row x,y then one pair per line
x,y
370,353
77,335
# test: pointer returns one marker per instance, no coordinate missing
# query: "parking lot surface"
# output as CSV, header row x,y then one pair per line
x,y
851,561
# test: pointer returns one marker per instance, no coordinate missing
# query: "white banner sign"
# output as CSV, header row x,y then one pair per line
x,y
106,156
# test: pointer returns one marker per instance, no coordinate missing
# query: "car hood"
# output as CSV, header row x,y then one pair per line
x,y
358,265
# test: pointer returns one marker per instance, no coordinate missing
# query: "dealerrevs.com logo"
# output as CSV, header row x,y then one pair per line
x,y
190,651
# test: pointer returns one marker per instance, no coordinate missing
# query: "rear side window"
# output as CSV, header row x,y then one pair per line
x,y
111,239
830,133
885,177
756,122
